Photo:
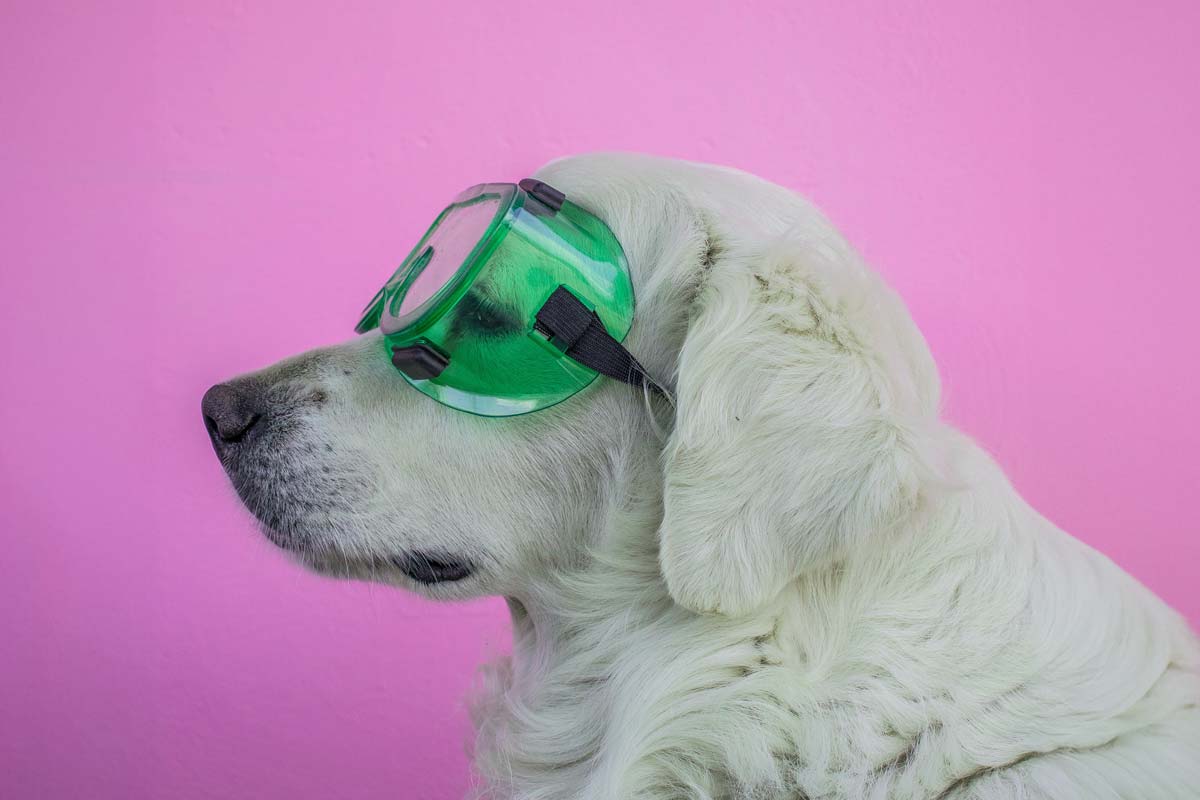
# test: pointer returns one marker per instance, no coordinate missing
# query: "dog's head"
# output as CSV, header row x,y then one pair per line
x,y
803,391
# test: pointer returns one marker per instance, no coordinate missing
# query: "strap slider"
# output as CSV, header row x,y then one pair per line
x,y
568,323
563,319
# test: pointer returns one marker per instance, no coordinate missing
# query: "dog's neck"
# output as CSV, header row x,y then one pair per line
x,y
619,573
608,672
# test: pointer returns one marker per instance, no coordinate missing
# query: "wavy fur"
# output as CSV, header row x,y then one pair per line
x,y
798,582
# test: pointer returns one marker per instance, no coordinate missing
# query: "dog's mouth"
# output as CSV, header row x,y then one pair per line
x,y
424,567
431,568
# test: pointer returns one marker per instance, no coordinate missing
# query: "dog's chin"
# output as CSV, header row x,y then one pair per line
x,y
438,576
437,573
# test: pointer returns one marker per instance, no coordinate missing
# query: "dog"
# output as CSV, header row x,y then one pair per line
x,y
793,581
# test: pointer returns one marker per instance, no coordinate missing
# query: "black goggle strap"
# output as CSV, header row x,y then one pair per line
x,y
579,333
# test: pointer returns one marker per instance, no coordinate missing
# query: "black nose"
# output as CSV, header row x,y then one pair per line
x,y
230,411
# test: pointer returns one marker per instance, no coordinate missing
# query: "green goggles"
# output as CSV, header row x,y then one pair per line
x,y
513,300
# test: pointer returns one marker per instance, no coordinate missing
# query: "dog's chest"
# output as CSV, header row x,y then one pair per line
x,y
763,719
731,708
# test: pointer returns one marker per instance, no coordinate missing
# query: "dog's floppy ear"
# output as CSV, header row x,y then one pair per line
x,y
803,391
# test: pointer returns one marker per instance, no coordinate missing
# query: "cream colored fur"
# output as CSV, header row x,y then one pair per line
x,y
796,583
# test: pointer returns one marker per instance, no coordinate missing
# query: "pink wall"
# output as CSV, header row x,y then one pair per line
x,y
187,194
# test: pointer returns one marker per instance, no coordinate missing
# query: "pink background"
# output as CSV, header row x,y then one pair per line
x,y
191,192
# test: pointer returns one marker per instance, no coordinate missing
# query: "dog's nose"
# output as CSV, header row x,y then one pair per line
x,y
230,411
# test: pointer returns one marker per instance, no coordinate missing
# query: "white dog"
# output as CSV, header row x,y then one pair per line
x,y
795,583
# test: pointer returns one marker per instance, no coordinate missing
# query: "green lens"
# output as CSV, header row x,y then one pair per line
x,y
449,244
473,284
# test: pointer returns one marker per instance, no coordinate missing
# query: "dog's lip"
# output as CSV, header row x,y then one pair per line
x,y
430,568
